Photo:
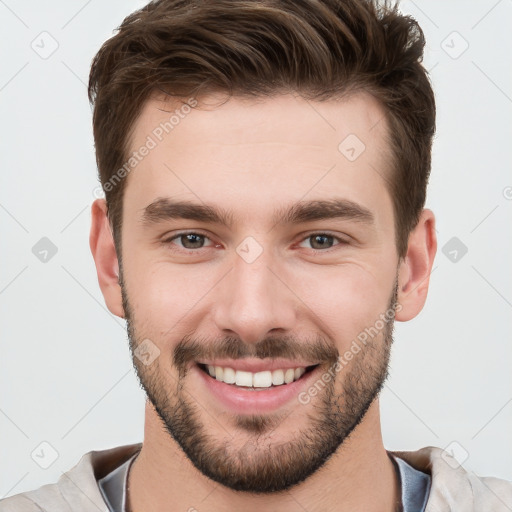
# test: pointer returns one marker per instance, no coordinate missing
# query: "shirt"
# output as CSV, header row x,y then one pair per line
x,y
452,487
113,486
414,486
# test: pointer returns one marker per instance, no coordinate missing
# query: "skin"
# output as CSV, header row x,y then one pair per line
x,y
250,156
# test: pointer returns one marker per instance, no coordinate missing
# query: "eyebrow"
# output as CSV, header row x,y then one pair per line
x,y
164,209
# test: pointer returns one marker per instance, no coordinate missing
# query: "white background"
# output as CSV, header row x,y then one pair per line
x,y
65,368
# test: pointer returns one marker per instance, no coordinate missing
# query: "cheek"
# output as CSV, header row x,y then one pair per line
x,y
164,295
347,300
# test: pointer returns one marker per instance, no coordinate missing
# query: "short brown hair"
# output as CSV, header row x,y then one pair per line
x,y
320,49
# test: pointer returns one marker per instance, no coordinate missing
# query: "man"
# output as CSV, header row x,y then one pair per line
x,y
265,166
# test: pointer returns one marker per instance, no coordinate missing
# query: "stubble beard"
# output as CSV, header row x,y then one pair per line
x,y
261,466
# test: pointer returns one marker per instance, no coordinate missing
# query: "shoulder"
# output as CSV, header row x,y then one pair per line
x,y
28,501
77,489
455,487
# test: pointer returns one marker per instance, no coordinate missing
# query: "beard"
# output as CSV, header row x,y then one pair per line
x,y
262,465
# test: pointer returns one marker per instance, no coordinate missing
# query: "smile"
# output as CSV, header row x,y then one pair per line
x,y
255,392
256,380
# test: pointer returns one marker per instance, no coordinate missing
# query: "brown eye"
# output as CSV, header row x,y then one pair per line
x,y
189,241
192,240
323,241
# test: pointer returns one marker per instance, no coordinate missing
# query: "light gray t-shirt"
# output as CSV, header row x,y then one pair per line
x,y
414,484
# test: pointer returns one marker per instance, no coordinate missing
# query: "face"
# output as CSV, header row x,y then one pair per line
x,y
257,246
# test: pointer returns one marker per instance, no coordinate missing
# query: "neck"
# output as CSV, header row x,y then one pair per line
x,y
359,476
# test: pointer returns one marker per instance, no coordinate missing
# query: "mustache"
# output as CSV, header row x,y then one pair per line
x,y
191,349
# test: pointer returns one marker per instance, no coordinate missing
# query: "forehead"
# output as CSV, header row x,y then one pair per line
x,y
292,118
259,152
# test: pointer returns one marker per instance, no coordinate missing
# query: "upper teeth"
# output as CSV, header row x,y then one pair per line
x,y
263,379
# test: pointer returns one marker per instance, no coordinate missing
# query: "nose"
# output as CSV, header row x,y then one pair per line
x,y
254,300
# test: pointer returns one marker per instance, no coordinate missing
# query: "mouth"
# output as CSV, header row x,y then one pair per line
x,y
256,381
260,392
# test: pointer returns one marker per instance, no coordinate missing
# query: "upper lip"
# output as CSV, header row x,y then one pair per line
x,y
257,365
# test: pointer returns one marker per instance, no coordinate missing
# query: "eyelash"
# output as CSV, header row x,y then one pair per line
x,y
310,235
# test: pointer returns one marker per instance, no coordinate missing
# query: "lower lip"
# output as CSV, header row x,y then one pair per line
x,y
247,401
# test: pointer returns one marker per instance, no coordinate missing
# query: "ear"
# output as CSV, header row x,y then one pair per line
x,y
105,257
416,267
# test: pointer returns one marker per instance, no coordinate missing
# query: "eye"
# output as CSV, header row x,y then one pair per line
x,y
190,240
324,241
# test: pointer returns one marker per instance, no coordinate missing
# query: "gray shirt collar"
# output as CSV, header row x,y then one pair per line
x,y
414,485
